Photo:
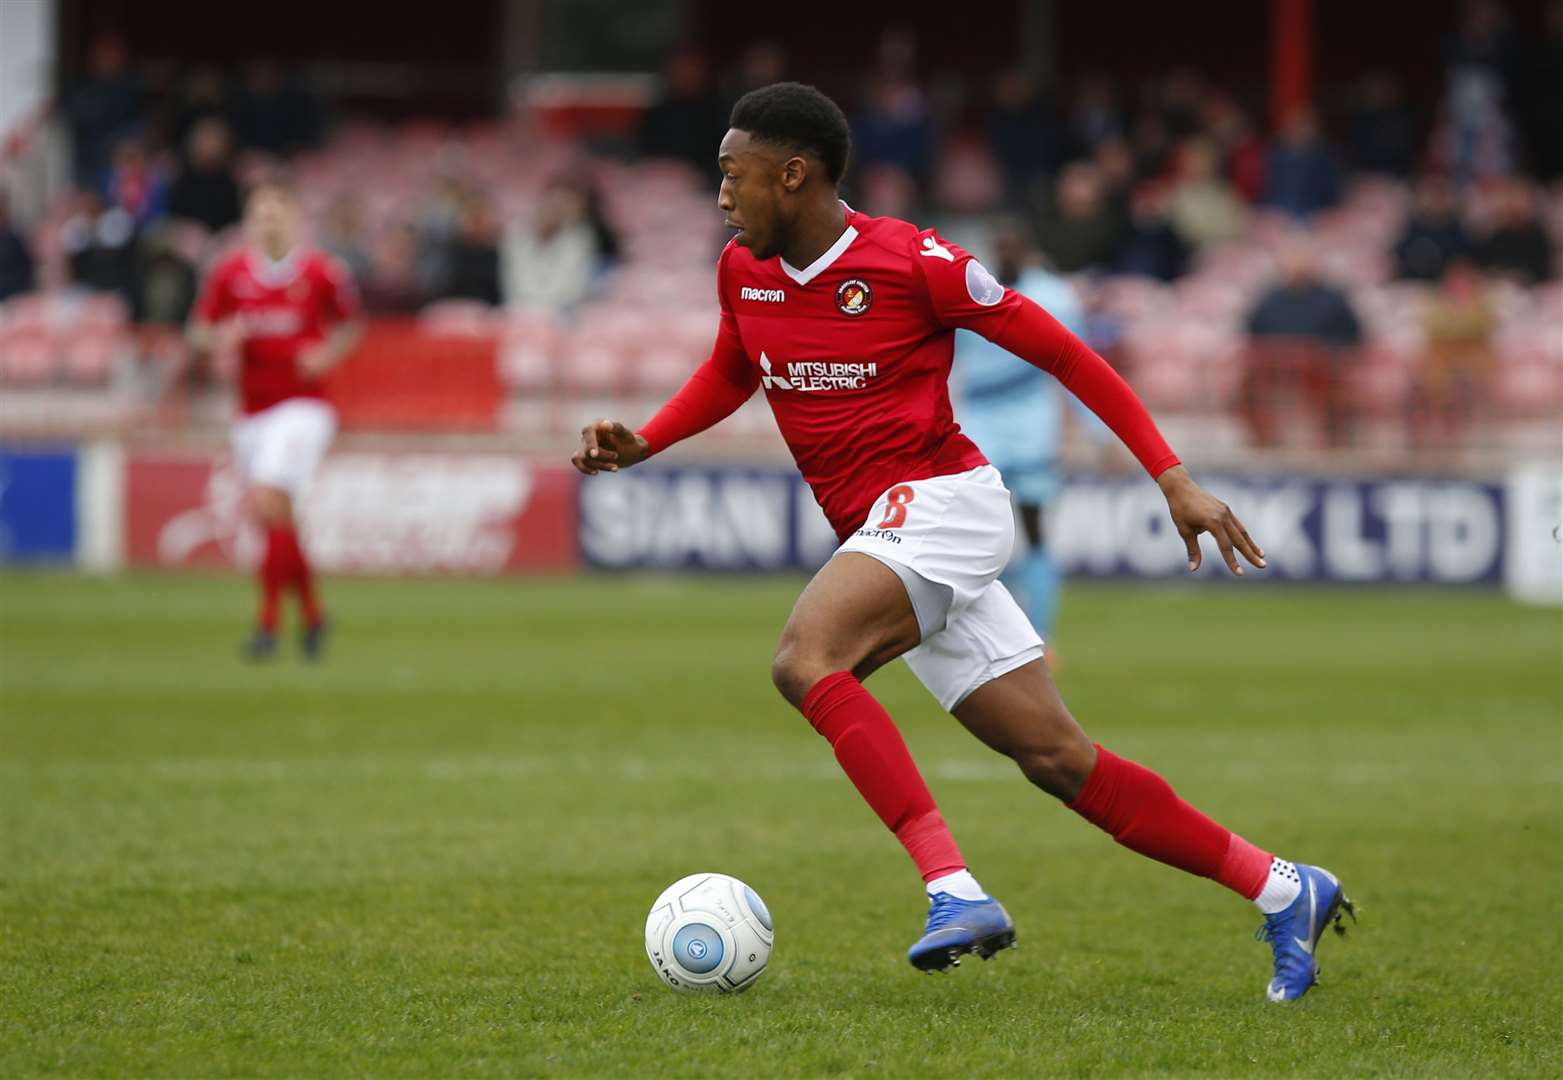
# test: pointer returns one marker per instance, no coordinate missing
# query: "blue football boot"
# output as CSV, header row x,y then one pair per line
x,y
1294,934
956,927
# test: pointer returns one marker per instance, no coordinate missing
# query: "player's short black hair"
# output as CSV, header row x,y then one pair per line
x,y
797,117
276,180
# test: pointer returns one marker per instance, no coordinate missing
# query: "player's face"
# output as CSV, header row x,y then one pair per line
x,y
269,220
751,193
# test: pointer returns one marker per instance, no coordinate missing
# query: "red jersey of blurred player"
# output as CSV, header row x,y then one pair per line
x,y
291,312
281,308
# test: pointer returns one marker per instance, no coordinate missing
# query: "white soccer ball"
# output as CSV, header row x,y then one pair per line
x,y
709,932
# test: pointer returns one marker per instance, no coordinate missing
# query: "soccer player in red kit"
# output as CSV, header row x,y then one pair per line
x,y
293,313
847,323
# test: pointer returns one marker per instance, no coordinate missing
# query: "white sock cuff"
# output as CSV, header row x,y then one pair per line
x,y
959,884
1281,888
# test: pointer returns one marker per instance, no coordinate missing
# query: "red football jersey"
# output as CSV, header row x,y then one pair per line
x,y
283,307
854,353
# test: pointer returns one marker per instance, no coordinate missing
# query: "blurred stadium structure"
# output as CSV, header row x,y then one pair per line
x,y
1319,241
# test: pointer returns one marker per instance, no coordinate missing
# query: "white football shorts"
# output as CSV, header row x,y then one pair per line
x,y
948,538
281,447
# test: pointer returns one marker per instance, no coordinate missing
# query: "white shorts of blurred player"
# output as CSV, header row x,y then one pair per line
x,y
281,447
947,538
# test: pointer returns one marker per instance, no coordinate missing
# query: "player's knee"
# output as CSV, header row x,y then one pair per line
x,y
272,505
795,672
1059,767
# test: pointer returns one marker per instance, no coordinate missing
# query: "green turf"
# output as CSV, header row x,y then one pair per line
x,y
434,854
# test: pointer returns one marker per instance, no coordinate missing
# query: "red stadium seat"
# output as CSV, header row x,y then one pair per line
x,y
89,356
26,355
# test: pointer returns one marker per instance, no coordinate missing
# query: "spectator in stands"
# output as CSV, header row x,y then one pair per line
x,y
1303,306
1152,145
1434,235
1484,45
607,237
472,270
762,63
1080,231
439,222
1204,208
100,245
203,96
1473,140
16,259
549,262
1179,100
135,183
1095,114
1382,135
394,285
273,114
102,108
1024,132
1301,176
1151,246
1518,246
342,234
894,129
689,119
1242,151
166,281
1454,383
1301,330
1114,159
205,189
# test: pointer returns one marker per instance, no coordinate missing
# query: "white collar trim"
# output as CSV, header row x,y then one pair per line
x,y
821,264
274,273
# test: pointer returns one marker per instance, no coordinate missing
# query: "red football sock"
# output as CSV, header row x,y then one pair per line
x,y
1142,812
875,758
303,579
276,567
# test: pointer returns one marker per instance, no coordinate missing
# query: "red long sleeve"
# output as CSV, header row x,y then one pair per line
x,y
714,392
1038,338
961,293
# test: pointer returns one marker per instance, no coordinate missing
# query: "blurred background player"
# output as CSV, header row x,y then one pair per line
x,y
292,314
1015,412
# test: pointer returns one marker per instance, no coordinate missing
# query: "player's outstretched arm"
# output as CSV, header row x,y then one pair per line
x,y
714,392
608,446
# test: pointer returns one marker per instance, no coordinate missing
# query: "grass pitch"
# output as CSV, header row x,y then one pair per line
x,y
434,854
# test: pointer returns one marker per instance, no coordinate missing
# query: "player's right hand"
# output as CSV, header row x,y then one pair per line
x,y
608,446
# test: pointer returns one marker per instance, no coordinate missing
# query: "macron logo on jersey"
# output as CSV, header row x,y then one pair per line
x,y
810,375
765,296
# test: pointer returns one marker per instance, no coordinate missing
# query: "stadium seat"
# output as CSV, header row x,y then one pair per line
x,y
89,356
26,355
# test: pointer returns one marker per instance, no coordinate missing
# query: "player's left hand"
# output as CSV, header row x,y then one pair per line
x,y
315,361
1195,510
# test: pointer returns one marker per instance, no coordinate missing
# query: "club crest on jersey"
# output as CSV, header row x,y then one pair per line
x,y
854,297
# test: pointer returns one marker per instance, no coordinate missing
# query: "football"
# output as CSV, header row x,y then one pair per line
x,y
709,932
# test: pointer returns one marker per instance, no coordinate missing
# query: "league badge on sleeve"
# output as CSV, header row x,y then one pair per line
x,y
853,297
983,286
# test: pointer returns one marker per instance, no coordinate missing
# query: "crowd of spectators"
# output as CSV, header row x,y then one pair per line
x,y
1146,182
